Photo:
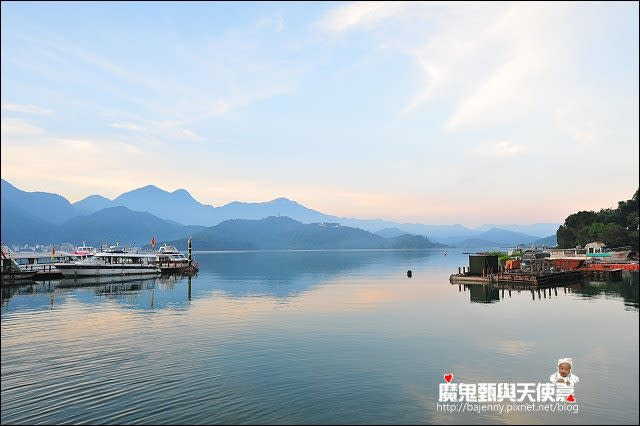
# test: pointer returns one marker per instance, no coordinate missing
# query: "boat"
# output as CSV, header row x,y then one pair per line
x,y
84,251
114,261
11,271
170,258
41,263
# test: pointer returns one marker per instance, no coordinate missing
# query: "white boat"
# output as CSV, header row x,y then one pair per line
x,y
84,251
115,261
11,271
41,262
170,258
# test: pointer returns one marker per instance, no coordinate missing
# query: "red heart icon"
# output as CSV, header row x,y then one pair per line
x,y
570,398
448,377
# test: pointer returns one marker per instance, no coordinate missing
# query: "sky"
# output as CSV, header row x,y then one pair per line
x,y
435,113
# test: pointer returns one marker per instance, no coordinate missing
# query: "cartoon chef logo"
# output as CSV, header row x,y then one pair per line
x,y
563,375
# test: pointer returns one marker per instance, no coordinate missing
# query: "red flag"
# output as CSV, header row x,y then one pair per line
x,y
153,242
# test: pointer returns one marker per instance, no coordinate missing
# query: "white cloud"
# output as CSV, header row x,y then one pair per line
x,y
191,135
274,23
12,127
360,14
29,109
487,63
503,95
501,149
506,149
128,126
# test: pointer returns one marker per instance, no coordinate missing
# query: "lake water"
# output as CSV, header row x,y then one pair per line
x,y
309,337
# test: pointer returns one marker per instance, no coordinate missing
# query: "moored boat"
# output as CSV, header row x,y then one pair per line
x,y
11,272
115,261
170,259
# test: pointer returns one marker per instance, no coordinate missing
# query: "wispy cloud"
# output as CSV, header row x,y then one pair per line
x,y
28,109
490,62
275,23
505,149
12,127
360,15
128,126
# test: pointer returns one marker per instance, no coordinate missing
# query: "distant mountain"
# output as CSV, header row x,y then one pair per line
x,y
284,233
92,204
114,224
180,208
178,205
51,208
550,241
407,241
536,229
122,225
477,242
20,227
494,237
390,232
278,207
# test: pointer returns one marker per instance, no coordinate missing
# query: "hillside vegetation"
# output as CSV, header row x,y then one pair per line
x,y
615,227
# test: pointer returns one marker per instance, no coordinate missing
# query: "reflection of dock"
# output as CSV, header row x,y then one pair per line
x,y
528,279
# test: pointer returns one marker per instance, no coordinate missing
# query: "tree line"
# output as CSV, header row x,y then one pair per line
x,y
615,227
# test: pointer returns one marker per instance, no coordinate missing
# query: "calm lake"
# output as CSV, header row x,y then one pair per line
x,y
309,337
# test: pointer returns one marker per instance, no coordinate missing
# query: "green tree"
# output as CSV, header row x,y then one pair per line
x,y
615,227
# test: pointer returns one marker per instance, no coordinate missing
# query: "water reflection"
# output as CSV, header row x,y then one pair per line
x,y
627,290
302,341
285,274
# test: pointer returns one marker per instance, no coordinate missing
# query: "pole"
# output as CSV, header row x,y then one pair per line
x,y
189,252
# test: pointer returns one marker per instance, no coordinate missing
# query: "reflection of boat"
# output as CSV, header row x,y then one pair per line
x,y
115,261
104,280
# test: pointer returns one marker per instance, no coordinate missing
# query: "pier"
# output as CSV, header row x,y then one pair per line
x,y
484,269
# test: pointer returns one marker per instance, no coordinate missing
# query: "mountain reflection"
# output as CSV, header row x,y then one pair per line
x,y
236,274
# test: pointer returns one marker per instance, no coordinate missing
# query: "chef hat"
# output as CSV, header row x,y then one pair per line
x,y
565,360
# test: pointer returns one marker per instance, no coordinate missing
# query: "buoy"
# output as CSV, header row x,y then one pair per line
x,y
409,273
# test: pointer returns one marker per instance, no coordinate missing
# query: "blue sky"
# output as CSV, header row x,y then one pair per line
x,y
435,113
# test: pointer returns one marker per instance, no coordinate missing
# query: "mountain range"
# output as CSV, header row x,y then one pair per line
x,y
39,216
284,233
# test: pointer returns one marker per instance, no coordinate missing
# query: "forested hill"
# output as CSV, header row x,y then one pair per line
x,y
615,227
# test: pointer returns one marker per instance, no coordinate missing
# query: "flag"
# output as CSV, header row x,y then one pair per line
x,y
153,242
